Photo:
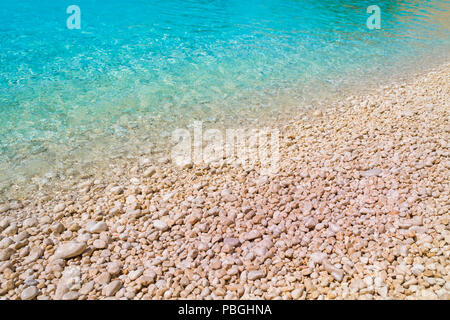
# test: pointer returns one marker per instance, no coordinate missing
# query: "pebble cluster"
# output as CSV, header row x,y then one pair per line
x,y
358,210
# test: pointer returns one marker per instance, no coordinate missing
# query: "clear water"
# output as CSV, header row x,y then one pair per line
x,y
137,67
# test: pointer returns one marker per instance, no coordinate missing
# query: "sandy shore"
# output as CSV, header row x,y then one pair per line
x,y
358,210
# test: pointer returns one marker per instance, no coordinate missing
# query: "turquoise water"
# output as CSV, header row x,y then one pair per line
x,y
138,67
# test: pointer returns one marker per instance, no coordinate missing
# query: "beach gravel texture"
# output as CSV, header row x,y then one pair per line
x,y
358,210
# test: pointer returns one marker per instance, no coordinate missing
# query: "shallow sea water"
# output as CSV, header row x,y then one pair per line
x,y
137,69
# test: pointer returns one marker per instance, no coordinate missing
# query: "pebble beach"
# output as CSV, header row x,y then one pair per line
x,y
358,210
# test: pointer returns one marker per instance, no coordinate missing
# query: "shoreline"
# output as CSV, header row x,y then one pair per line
x,y
359,209
66,166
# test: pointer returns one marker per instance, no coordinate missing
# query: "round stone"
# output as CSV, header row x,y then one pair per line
x,y
29,293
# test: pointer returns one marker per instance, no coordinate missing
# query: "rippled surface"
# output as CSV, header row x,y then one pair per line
x,y
138,67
